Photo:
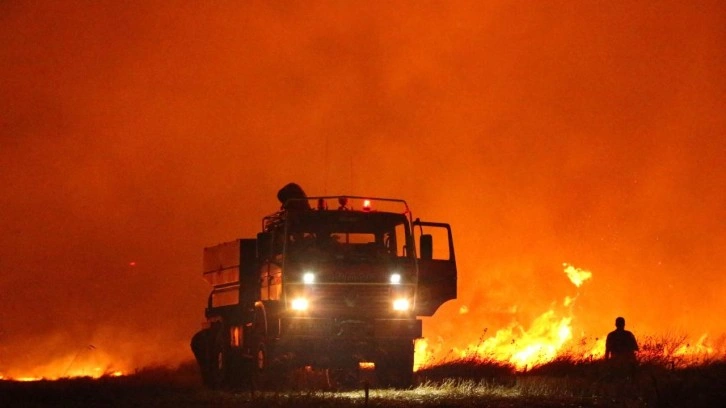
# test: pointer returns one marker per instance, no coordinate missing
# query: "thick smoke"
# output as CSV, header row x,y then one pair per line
x,y
134,135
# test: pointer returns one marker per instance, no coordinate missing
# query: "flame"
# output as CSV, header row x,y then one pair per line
x,y
421,354
526,348
108,352
577,276
83,372
550,335
86,362
541,342
523,347
598,350
700,348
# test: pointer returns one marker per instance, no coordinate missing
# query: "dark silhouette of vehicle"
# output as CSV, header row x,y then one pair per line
x,y
333,282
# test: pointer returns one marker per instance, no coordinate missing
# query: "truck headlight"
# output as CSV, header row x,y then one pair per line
x,y
308,278
401,304
300,304
395,278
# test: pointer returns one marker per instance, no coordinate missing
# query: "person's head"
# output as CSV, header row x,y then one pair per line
x,y
620,323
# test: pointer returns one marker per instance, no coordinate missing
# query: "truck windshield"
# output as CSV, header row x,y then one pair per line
x,y
349,235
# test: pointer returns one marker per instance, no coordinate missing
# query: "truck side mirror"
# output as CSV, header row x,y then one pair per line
x,y
426,244
264,245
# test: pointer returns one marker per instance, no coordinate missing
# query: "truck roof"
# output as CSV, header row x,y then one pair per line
x,y
337,203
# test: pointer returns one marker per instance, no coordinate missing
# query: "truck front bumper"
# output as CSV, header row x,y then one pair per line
x,y
343,343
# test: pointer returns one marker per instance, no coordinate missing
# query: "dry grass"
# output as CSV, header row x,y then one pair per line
x,y
661,380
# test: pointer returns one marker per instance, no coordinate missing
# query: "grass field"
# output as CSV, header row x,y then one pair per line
x,y
464,383
660,380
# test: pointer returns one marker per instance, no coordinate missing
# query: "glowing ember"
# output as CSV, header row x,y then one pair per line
x,y
577,276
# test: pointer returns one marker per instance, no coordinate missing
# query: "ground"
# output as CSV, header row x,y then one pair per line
x,y
463,385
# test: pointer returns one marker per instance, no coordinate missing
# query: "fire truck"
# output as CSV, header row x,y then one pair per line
x,y
335,282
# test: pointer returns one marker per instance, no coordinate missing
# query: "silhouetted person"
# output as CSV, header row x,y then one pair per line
x,y
620,348
293,197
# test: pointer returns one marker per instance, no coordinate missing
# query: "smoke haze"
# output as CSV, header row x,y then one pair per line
x,y
134,135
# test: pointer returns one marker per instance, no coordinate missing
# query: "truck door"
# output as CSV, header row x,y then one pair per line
x,y
436,266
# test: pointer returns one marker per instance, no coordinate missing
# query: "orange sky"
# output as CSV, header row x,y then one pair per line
x,y
591,133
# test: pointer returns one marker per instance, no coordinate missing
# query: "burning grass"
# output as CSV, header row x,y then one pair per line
x,y
671,372
668,380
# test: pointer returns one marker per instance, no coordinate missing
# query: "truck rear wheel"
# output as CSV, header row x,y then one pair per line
x,y
218,364
261,358
226,367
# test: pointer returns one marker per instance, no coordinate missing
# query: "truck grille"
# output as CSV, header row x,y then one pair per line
x,y
345,299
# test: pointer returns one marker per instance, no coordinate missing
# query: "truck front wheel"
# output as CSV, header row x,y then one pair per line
x,y
394,367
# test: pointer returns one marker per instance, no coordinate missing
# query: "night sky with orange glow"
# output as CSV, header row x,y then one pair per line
x,y
133,134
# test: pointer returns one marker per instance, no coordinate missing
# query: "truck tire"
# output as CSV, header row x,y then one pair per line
x,y
227,368
394,367
261,358
260,351
218,362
